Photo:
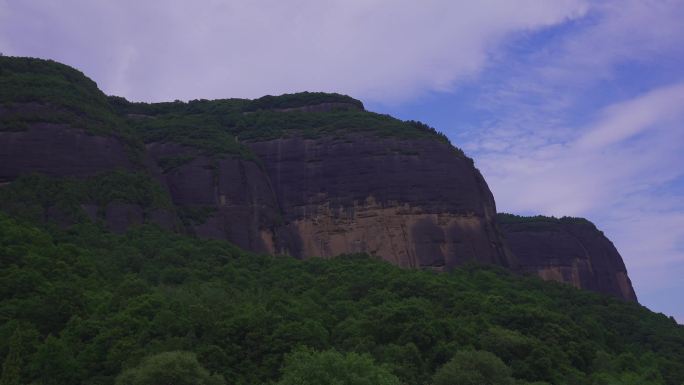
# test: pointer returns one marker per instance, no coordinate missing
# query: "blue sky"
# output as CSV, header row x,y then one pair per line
x,y
570,107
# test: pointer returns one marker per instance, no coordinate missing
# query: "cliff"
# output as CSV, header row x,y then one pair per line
x,y
308,174
570,250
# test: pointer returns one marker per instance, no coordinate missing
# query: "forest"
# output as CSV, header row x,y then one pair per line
x,y
86,306
82,305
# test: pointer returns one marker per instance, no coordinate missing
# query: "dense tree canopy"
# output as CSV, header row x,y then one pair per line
x,y
473,368
84,305
308,367
176,368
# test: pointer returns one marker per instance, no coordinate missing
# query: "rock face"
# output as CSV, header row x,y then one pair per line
x,y
59,150
416,203
568,250
234,193
309,174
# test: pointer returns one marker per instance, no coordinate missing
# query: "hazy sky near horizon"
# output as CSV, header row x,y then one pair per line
x,y
569,107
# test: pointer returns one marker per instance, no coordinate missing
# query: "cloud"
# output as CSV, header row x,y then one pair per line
x,y
588,121
630,118
374,49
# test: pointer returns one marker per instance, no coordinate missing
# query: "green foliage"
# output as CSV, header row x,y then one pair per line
x,y
308,367
195,215
108,301
177,368
36,197
266,125
35,90
540,219
300,99
473,367
201,131
219,127
170,163
67,96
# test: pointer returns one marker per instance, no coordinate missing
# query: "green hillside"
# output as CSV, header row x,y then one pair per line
x,y
84,306
38,90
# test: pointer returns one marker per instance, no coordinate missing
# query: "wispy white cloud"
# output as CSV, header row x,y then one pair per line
x,y
624,120
591,123
378,49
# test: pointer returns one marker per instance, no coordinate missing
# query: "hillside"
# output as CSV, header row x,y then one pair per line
x,y
567,249
307,174
80,306
249,240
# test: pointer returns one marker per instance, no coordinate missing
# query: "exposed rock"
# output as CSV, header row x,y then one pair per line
x,y
91,211
59,150
244,209
417,203
400,192
120,216
164,218
568,250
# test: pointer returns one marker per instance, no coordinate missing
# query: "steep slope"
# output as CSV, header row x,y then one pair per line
x,y
417,203
314,174
570,250
56,123
307,174
81,306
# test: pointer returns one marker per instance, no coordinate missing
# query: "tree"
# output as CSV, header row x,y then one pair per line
x,y
177,368
309,367
474,367
11,367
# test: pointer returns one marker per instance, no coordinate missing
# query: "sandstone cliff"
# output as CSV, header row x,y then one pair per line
x,y
570,250
417,203
309,174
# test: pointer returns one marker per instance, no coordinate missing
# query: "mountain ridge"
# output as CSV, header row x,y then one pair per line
x,y
278,174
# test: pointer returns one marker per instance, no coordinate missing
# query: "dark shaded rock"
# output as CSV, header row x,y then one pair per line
x,y
120,216
58,150
164,218
416,203
91,211
243,207
568,250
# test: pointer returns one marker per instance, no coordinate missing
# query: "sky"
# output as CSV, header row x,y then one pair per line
x,y
569,107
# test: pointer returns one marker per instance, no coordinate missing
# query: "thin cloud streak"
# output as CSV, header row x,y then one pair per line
x,y
590,123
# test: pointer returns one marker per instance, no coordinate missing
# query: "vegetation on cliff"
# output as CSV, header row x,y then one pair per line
x,y
81,305
301,99
34,197
218,127
36,90
87,306
505,218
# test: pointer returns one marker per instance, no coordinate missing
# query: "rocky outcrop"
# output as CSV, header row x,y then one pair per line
x,y
59,150
234,194
569,250
417,203
270,178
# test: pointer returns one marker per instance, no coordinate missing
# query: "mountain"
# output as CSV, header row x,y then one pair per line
x,y
88,306
145,239
308,174
570,250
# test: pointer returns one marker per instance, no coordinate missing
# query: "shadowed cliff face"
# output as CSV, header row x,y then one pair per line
x,y
59,150
570,251
234,193
308,174
416,203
